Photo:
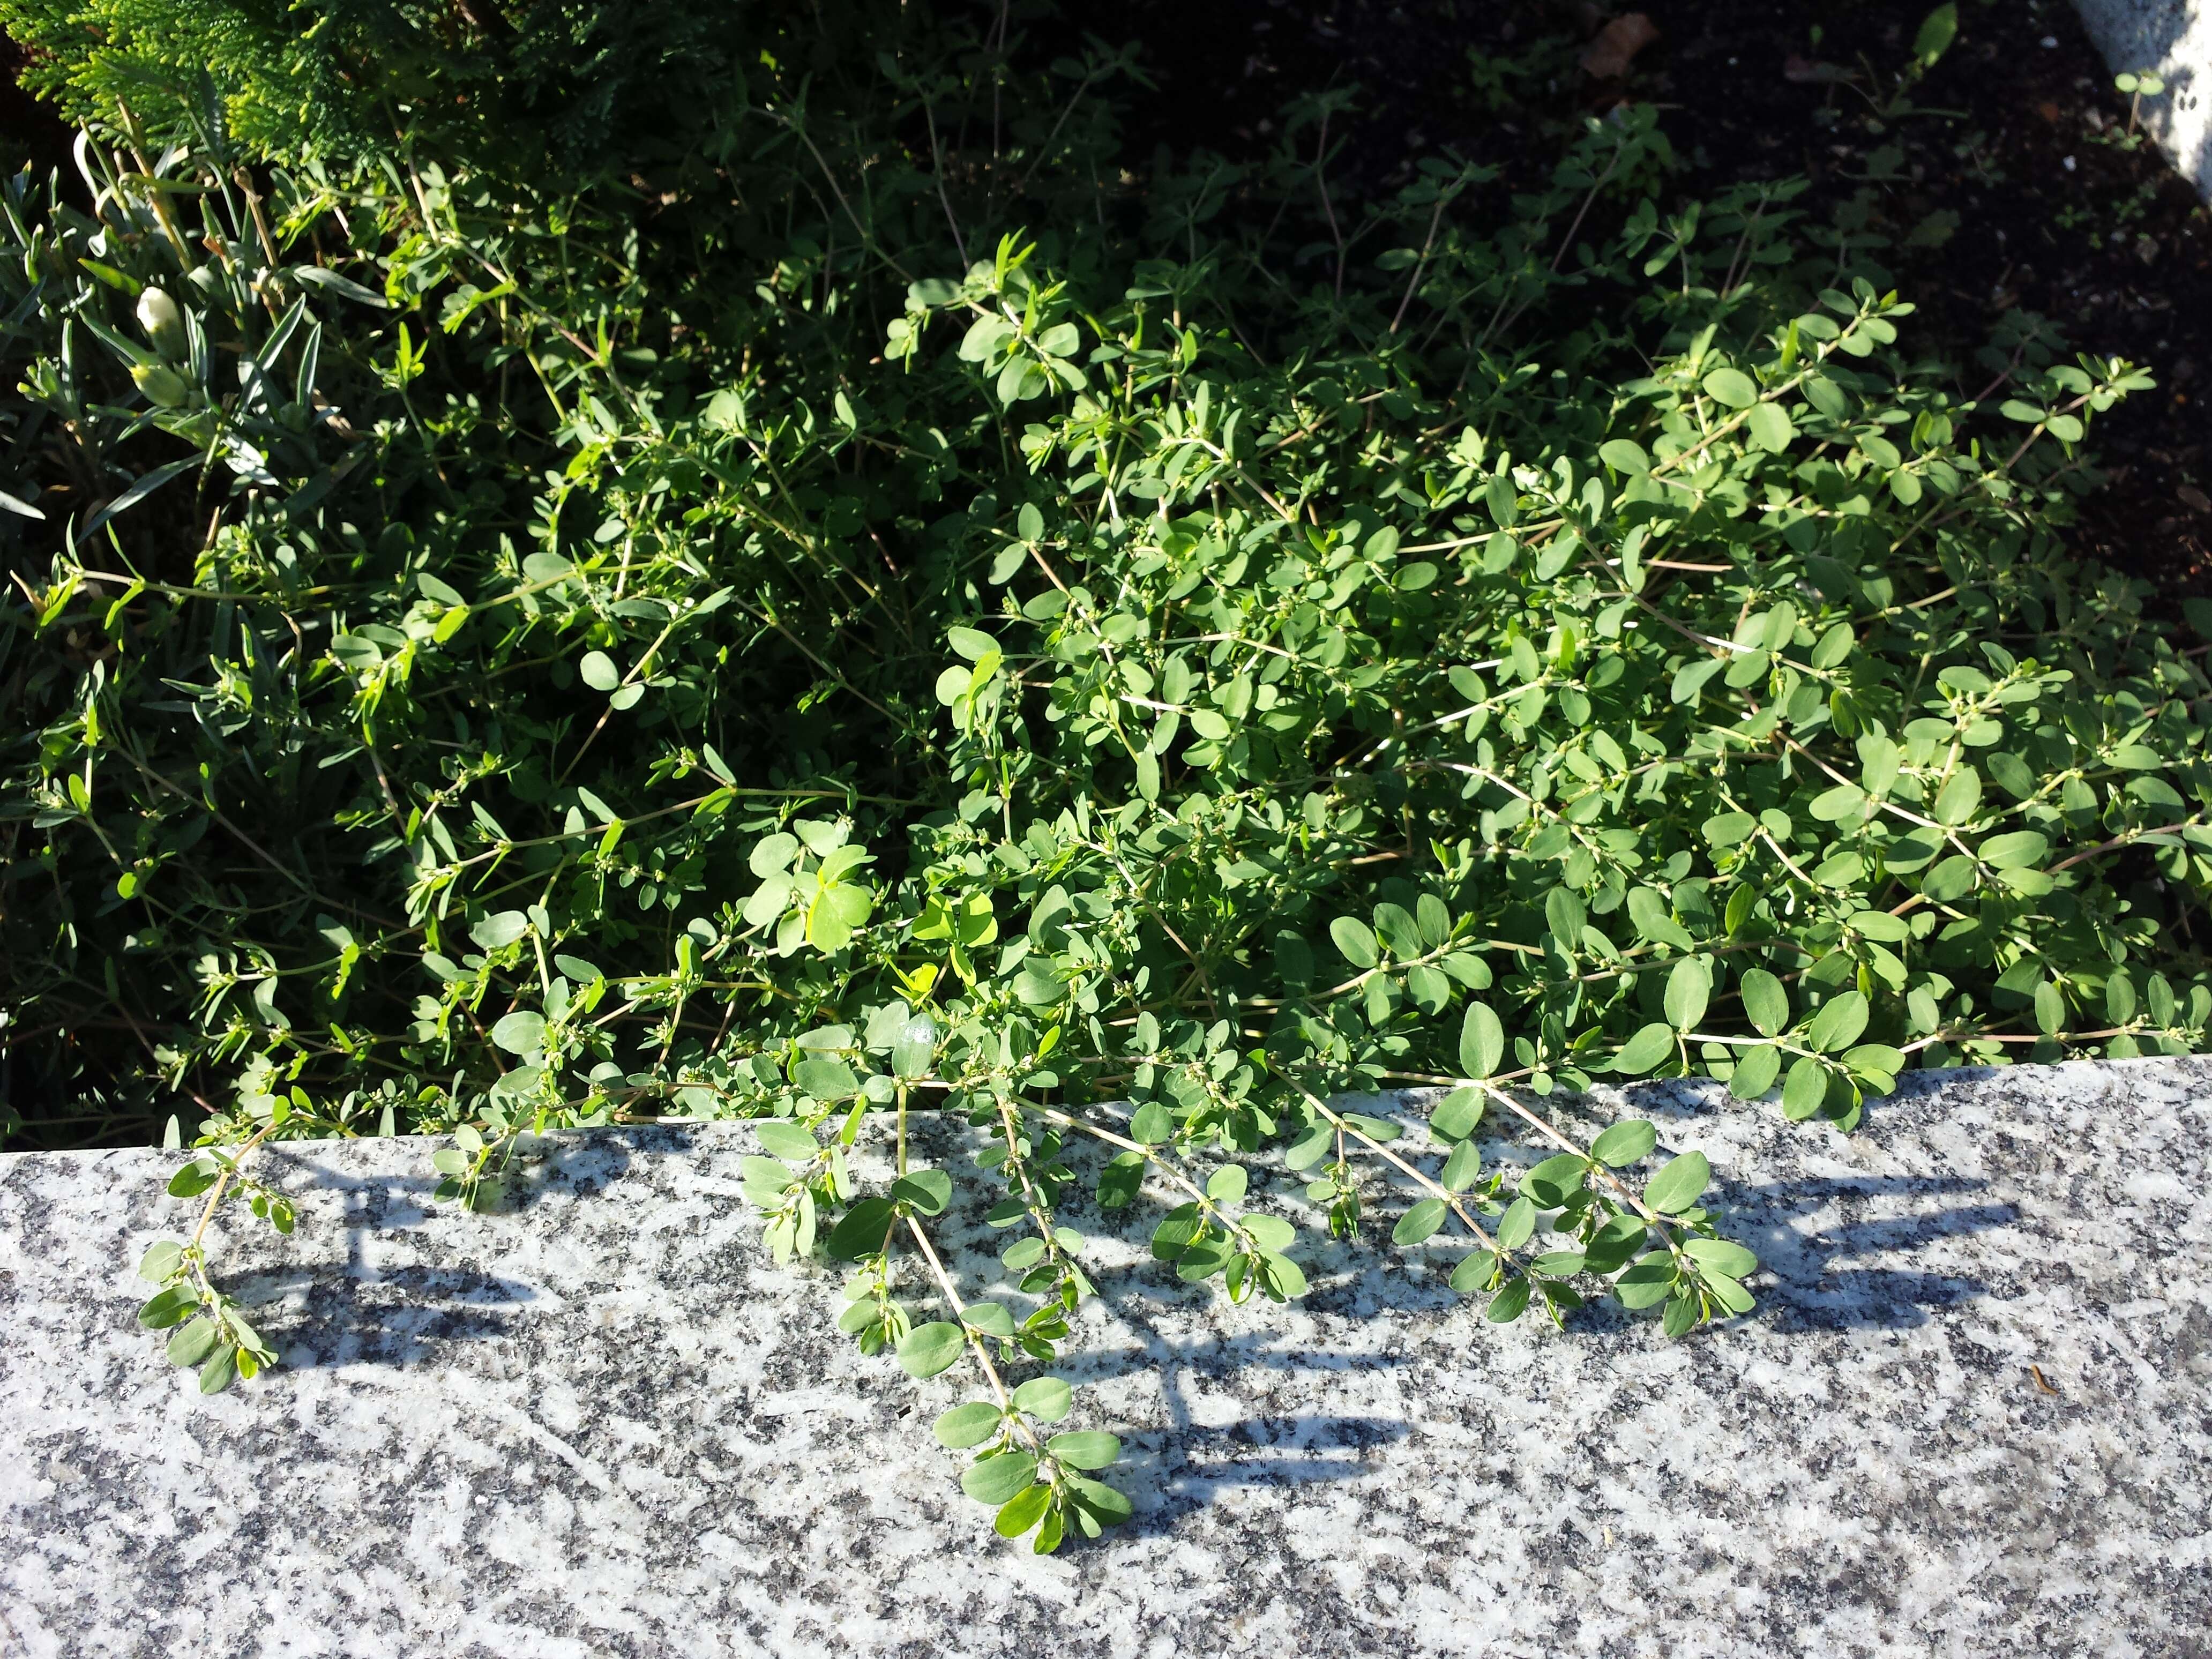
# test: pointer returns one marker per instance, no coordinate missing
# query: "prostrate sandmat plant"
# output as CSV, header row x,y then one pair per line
x,y
777,574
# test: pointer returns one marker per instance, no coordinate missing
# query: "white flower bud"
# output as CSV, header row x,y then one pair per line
x,y
163,323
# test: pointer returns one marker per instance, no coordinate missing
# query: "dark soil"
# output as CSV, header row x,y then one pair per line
x,y
2015,186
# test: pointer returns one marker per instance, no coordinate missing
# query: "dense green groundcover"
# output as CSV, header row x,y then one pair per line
x,y
673,560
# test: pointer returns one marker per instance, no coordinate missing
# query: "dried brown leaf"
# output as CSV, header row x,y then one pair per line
x,y
1607,57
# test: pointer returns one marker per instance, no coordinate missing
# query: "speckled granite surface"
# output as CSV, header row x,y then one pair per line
x,y
604,1424
2174,38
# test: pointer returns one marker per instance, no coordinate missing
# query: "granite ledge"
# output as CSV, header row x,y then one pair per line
x,y
603,1422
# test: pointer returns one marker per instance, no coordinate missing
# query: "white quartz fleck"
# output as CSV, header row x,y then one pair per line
x,y
603,1422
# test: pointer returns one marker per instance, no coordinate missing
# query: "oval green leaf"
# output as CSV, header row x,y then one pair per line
x,y
928,1349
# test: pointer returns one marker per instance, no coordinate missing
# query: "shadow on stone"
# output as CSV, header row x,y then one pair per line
x,y
1187,1465
402,1317
582,1164
1808,1291
361,1312
1193,1466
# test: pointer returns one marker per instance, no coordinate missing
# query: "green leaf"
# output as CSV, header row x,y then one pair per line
x,y
1732,386
1956,801
1729,829
1648,1281
766,1180
194,1342
1509,1304
860,1232
2018,849
1651,1045
1152,1124
1689,986
1308,1150
1765,1001
1648,911
1456,1116
1625,1143
1100,1499
1722,1255
1838,1022
914,1051
1755,1071
928,1349
1400,933
1952,878
1613,1243
1805,1091
1624,455
1553,1181
2119,1008
1038,986
345,286
1421,1222
825,1077
1355,942
1937,30
1481,1042
994,1480
1270,1232
171,1307
1728,1293
1771,427
506,927
1516,1226
1085,1450
1284,1278
779,1138
772,853
1119,1182
926,1191
160,1261
219,1370
1473,1273
967,1425
1022,1510
1461,1168
1678,1185
2050,1009
1047,1398
193,1179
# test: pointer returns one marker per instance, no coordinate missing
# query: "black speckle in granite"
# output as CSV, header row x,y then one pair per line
x,y
603,1422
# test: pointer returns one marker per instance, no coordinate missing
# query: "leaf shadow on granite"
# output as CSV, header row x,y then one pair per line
x,y
350,1312
1183,1465
406,1317
1800,1286
1968,1418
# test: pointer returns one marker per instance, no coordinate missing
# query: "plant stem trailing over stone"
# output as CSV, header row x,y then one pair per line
x,y
783,576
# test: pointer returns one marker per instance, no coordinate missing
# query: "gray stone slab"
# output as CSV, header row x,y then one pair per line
x,y
605,1424
2174,38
